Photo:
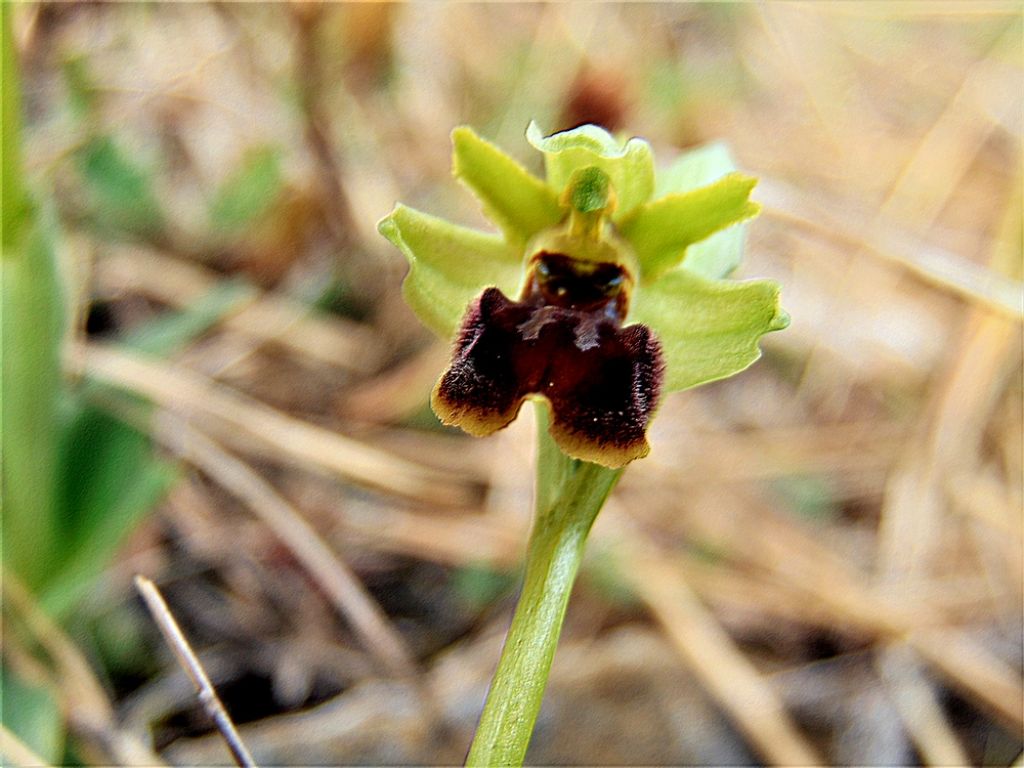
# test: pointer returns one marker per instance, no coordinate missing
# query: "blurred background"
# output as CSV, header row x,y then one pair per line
x,y
819,563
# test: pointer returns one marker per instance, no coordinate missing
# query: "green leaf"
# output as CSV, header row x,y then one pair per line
x,y
249,192
32,714
477,585
662,230
630,166
722,252
809,496
514,199
603,570
168,332
449,265
708,329
31,392
110,480
121,190
109,477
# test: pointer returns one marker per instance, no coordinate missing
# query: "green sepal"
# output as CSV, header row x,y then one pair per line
x,y
708,329
514,199
449,265
720,254
630,166
661,231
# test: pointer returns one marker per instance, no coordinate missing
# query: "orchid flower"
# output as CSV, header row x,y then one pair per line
x,y
602,291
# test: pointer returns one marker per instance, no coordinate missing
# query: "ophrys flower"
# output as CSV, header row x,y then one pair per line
x,y
602,292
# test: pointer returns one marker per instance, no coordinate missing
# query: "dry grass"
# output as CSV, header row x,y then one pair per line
x,y
830,544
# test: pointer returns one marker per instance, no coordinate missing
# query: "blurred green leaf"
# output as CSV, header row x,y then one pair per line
x,y
121,190
478,585
117,633
449,265
168,332
810,496
80,85
666,89
602,569
708,551
31,713
110,479
424,418
662,230
518,202
249,192
31,390
15,202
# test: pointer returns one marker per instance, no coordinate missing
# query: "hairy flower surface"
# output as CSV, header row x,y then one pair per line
x,y
602,291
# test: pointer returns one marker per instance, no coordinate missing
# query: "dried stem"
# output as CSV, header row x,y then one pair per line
x,y
187,659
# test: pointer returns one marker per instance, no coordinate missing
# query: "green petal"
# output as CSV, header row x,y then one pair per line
x,y
662,230
449,265
630,166
514,199
708,329
721,253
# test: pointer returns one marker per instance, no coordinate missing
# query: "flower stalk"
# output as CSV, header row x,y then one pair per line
x,y
569,494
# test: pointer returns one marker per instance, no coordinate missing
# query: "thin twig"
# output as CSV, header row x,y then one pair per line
x,y
337,580
16,752
187,659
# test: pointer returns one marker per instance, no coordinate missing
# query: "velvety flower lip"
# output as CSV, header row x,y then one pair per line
x,y
616,272
563,342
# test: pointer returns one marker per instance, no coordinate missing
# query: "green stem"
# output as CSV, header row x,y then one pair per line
x,y
570,493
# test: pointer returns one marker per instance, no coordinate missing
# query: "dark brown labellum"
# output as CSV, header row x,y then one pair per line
x,y
564,340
